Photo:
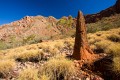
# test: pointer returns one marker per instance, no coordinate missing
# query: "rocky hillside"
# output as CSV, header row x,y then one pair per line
x,y
105,13
35,29
38,26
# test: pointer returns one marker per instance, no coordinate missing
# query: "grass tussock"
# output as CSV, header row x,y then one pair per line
x,y
6,66
114,49
30,55
69,44
116,65
114,37
102,46
58,68
44,77
28,74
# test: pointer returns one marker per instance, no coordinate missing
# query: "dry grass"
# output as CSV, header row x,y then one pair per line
x,y
31,55
114,49
28,74
44,77
116,65
69,43
107,42
114,37
59,45
58,67
103,45
6,66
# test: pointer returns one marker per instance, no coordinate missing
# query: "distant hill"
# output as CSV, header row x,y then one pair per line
x,y
35,29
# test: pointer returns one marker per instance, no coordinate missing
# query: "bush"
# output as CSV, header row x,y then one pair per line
x,y
66,21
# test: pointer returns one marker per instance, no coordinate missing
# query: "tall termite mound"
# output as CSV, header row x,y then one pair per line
x,y
82,50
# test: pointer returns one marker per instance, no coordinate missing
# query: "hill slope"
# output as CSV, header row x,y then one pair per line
x,y
34,29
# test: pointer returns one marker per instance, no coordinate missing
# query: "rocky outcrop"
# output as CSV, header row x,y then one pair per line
x,y
82,50
105,13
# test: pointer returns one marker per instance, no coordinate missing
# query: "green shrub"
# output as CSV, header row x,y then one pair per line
x,y
66,21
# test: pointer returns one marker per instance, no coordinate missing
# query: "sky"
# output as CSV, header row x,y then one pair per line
x,y
12,10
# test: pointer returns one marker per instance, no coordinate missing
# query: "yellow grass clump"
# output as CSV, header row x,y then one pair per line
x,y
116,65
103,45
114,49
30,55
28,74
114,37
59,45
6,66
58,67
69,43
44,77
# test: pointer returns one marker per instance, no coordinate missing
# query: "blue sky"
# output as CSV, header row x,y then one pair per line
x,y
12,10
